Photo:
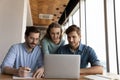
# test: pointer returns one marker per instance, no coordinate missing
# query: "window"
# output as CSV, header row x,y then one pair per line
x,y
100,30
117,17
95,28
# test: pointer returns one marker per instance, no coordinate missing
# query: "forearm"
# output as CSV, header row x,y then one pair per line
x,y
92,70
9,70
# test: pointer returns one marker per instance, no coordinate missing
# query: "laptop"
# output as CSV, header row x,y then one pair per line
x,y
62,66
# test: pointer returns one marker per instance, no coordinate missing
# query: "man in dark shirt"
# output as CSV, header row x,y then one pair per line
x,y
87,54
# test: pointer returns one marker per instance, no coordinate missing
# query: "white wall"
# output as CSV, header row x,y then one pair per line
x,y
29,16
13,17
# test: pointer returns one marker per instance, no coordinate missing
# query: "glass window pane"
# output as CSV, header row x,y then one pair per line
x,y
76,18
117,3
111,36
95,28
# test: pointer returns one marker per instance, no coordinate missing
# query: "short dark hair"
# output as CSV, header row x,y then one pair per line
x,y
30,29
73,28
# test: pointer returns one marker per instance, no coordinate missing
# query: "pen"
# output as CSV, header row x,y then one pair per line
x,y
28,69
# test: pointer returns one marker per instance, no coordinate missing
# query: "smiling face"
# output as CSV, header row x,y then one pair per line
x,y
55,34
73,39
32,40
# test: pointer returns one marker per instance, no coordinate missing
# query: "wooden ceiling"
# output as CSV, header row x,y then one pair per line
x,y
52,7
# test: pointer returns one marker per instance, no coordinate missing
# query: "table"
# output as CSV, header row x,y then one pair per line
x,y
9,77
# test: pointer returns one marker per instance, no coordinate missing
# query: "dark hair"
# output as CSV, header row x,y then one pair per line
x,y
73,28
53,25
30,29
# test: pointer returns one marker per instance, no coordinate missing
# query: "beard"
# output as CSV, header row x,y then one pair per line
x,y
31,45
74,45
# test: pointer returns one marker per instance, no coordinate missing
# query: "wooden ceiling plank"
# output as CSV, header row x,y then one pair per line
x,y
54,7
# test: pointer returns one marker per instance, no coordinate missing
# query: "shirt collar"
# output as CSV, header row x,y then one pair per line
x,y
24,45
80,47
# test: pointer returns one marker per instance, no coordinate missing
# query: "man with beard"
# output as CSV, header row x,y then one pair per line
x,y
23,58
75,47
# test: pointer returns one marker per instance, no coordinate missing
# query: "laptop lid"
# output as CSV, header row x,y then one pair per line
x,y
62,66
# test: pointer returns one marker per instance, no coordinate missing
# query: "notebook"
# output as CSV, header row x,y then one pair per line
x,y
108,76
62,66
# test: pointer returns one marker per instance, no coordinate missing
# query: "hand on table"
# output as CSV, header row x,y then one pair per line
x,y
38,73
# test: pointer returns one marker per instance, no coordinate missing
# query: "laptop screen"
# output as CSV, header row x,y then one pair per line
x,y
62,66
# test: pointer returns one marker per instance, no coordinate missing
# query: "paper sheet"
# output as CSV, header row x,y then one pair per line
x,y
104,77
28,77
94,77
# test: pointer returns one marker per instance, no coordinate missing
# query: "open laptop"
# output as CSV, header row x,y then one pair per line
x,y
62,66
